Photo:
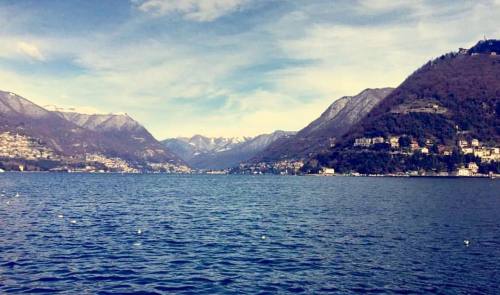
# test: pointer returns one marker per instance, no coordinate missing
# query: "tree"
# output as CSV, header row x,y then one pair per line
x,y
404,141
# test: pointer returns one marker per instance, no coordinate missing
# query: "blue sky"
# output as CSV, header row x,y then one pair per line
x,y
224,67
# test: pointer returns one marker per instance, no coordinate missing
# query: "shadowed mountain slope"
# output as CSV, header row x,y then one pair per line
x,y
77,134
319,135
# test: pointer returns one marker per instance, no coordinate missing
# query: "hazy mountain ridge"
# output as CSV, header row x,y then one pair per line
x,y
190,147
219,153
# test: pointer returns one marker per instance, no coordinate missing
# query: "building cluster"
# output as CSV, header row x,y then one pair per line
x,y
368,141
284,167
23,149
112,164
18,146
393,142
470,169
474,147
170,168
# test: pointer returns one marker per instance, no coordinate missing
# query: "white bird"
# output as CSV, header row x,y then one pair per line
x,y
263,237
73,221
17,195
139,231
60,216
467,243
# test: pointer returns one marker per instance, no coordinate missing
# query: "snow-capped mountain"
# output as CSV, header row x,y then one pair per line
x,y
203,144
102,122
13,104
219,152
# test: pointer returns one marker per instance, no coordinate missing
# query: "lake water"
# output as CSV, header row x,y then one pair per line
x,y
159,234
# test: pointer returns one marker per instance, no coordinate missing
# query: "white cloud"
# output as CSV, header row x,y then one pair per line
x,y
196,10
382,6
31,50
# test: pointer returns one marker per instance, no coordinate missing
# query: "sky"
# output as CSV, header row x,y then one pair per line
x,y
224,67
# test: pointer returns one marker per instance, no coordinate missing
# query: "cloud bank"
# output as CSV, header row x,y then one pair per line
x,y
228,68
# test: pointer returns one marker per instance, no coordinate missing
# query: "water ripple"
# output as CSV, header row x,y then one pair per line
x,y
160,234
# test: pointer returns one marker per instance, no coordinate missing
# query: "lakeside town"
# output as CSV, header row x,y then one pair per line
x,y
22,153
17,152
475,152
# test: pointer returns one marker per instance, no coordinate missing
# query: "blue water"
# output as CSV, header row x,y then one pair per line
x,y
160,234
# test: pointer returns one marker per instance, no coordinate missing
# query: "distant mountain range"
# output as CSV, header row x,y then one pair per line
x,y
72,134
219,153
443,116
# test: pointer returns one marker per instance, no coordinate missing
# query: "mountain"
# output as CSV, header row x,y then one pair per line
x,y
445,105
219,153
19,115
455,92
102,122
125,136
319,135
73,134
189,148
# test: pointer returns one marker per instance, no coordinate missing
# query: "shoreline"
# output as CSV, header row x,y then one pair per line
x,y
495,176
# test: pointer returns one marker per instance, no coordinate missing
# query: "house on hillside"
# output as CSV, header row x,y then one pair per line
x,y
467,150
363,142
378,139
463,143
462,171
473,167
481,153
394,141
328,171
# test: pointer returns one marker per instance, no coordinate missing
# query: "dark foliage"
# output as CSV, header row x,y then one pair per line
x,y
465,88
376,162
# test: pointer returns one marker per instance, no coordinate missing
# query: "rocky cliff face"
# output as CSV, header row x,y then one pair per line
x,y
323,132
